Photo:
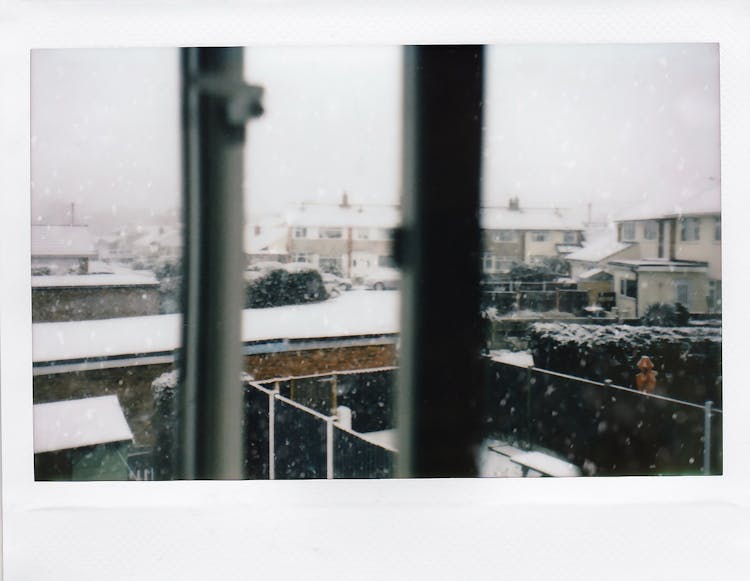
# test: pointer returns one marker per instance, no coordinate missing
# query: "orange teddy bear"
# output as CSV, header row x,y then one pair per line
x,y
645,381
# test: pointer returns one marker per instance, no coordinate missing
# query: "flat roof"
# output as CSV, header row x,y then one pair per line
x,y
92,280
660,264
64,425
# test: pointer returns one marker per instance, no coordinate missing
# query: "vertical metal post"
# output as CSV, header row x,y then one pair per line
x,y
272,434
329,448
439,247
529,423
707,413
215,106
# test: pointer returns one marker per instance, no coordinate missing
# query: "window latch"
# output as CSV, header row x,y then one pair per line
x,y
242,102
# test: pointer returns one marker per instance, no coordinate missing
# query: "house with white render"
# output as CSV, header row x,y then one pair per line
x,y
679,255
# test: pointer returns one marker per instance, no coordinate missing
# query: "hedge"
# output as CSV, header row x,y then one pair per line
x,y
687,359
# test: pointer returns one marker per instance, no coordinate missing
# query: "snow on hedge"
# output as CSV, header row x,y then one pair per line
x,y
637,336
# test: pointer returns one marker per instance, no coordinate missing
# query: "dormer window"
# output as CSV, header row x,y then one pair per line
x,y
628,231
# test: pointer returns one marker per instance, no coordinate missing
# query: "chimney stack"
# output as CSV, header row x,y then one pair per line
x,y
345,200
513,204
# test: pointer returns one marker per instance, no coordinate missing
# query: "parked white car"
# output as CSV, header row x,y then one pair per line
x,y
382,278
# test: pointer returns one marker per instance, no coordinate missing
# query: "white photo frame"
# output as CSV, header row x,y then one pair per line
x,y
614,528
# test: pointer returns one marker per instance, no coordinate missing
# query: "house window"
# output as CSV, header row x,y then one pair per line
x,y
629,288
504,236
488,262
717,229
628,231
539,236
682,293
362,233
302,257
331,233
330,264
299,232
650,230
570,237
689,229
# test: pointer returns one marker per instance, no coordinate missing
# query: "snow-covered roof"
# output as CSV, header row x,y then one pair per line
x,y
704,199
594,272
355,216
660,264
529,219
92,280
271,240
63,425
62,241
598,249
568,248
353,313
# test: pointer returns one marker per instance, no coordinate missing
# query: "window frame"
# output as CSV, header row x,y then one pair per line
x,y
650,230
690,229
627,231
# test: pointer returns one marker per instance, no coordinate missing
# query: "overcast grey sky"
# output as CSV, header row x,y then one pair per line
x,y
565,125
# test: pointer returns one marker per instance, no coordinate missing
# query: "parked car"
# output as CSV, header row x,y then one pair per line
x,y
382,278
336,284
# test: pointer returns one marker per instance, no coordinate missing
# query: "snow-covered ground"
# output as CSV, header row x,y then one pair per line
x,y
350,314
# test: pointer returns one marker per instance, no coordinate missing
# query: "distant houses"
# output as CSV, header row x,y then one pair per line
x,y
660,254
353,239
61,249
515,234
69,284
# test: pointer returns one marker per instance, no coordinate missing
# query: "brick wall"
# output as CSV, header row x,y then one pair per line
x,y
132,385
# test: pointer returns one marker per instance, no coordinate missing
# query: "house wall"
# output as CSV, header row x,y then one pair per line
x,y
626,306
705,249
545,248
661,287
511,249
86,303
132,385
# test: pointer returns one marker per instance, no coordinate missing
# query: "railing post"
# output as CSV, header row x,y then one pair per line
x,y
329,448
528,407
707,413
272,434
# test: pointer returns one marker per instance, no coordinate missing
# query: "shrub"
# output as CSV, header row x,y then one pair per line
x,y
687,359
666,315
279,287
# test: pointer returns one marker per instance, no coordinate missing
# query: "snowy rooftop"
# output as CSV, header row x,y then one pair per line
x,y
62,241
529,219
660,263
594,272
271,240
704,199
355,216
63,425
598,249
93,280
353,313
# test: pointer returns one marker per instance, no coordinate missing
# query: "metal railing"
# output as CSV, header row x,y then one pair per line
x,y
606,428
292,441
